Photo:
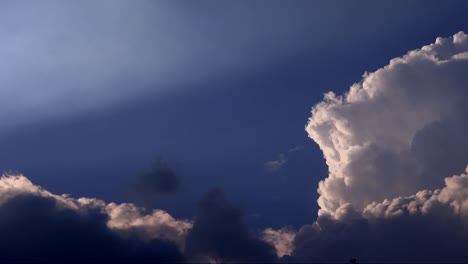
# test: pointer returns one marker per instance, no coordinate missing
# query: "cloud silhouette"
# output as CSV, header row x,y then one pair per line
x,y
36,229
220,234
38,226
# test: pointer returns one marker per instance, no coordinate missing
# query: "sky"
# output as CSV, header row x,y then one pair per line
x,y
289,131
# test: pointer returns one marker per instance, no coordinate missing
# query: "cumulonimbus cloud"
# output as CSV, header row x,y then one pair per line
x,y
400,130
397,153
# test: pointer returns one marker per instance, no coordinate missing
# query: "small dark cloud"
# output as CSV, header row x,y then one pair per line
x,y
161,179
36,229
219,233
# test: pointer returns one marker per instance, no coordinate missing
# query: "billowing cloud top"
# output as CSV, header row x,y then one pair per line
x,y
397,153
400,130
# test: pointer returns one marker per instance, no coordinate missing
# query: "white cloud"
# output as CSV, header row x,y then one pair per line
x,y
398,131
157,224
391,144
454,194
282,239
282,159
278,163
296,148
429,226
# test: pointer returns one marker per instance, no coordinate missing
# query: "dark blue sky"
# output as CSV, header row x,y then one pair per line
x,y
237,100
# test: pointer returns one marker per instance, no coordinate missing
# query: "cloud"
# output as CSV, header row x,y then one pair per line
x,y
282,159
161,179
398,131
129,220
391,145
40,226
430,226
124,216
282,239
296,148
34,229
274,165
220,234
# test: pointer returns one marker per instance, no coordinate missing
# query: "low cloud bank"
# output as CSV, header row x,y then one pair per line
x,y
38,225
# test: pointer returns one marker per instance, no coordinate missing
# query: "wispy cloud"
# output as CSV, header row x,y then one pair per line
x,y
276,164
296,148
281,159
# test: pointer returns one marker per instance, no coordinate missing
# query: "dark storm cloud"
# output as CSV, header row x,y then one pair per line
x,y
219,233
38,226
161,179
37,229
438,237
